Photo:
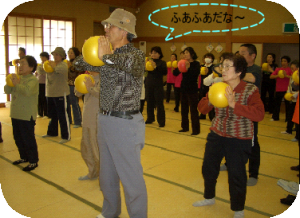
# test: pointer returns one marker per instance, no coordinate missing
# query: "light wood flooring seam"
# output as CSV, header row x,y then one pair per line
x,y
60,188
98,208
180,153
160,129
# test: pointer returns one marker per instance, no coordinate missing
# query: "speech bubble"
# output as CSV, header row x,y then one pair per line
x,y
168,38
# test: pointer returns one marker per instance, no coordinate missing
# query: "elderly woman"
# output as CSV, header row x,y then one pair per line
x,y
155,88
72,74
57,93
189,95
23,111
231,134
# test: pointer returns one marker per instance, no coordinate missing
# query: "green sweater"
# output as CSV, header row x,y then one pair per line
x,y
24,98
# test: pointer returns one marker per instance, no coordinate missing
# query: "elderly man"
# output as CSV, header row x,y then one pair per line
x,y
57,93
121,127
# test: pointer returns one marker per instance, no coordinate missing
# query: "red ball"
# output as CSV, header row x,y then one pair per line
x,y
182,66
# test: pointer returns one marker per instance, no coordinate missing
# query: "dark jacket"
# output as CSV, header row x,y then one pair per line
x,y
190,78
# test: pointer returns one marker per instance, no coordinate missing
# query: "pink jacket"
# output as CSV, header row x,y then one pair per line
x,y
178,80
282,83
170,76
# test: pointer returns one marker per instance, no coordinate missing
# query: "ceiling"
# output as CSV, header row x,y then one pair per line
x,y
121,3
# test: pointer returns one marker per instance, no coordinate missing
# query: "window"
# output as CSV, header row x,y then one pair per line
x,y
57,34
27,33
2,65
35,35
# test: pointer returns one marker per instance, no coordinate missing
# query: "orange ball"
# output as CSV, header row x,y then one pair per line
x,y
79,83
182,66
281,74
47,67
9,79
217,96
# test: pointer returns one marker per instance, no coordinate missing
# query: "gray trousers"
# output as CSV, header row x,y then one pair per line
x,y
90,151
120,142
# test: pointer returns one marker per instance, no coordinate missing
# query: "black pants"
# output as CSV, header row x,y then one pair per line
x,y
189,102
155,98
289,115
42,101
236,152
23,131
268,87
168,93
57,109
177,98
142,103
297,131
254,158
277,103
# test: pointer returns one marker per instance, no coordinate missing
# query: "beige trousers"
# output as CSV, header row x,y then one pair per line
x,y
90,151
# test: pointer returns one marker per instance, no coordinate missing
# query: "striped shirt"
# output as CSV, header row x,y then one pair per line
x,y
121,78
237,122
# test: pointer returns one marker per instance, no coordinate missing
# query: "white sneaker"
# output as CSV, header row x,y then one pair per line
x,y
252,181
100,216
239,214
46,136
204,202
285,132
63,141
38,116
294,140
290,186
271,119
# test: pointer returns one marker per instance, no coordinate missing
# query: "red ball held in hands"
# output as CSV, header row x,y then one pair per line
x,y
182,66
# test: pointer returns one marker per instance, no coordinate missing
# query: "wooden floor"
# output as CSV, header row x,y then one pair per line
x,y
172,164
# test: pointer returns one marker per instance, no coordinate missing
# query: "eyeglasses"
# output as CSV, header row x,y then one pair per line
x,y
225,67
108,26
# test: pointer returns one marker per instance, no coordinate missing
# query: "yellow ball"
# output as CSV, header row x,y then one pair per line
x,y
90,51
14,62
9,79
169,64
217,96
203,71
295,77
175,64
281,74
288,96
79,83
265,67
47,67
149,66
215,74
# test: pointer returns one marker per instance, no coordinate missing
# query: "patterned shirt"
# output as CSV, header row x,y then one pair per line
x,y
237,122
121,78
